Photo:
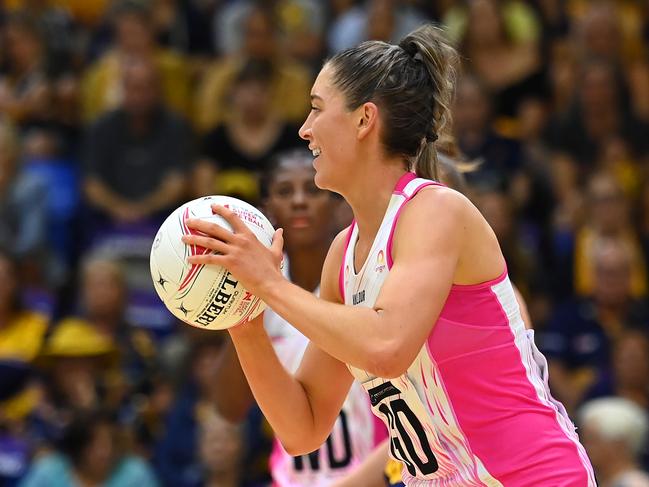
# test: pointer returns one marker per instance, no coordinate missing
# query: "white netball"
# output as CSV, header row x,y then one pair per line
x,y
204,296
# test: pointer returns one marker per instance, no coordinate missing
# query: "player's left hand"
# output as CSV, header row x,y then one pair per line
x,y
239,251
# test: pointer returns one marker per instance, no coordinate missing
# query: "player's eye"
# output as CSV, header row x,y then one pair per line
x,y
284,191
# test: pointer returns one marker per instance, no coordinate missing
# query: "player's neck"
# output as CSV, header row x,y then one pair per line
x,y
370,197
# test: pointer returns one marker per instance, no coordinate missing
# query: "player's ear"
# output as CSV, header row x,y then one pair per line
x,y
366,119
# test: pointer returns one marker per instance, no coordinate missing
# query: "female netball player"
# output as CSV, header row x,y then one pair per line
x,y
378,470
415,302
308,215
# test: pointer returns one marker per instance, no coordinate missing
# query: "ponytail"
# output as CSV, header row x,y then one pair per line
x,y
427,45
426,163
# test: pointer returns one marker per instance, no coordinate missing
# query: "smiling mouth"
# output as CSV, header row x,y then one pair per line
x,y
315,152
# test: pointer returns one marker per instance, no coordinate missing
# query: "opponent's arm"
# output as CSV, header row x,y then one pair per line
x,y
236,399
371,472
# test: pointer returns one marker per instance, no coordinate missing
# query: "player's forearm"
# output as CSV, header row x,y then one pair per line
x,y
276,390
357,336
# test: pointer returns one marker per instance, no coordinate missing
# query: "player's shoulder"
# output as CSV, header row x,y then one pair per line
x,y
337,247
439,202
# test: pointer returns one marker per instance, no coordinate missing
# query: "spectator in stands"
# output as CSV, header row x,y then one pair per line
x,y
630,369
23,209
102,87
22,334
137,156
221,451
477,139
103,306
90,453
521,254
612,31
499,40
580,336
609,217
59,33
301,23
250,136
600,110
384,20
25,91
80,376
614,432
261,42
177,452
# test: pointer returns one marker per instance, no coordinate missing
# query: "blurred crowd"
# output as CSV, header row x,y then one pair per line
x,y
113,112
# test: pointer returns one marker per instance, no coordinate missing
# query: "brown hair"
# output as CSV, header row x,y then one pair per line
x,y
412,83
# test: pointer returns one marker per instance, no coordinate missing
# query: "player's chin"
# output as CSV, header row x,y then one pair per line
x,y
322,180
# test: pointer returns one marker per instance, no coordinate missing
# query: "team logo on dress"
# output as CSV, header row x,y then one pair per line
x,y
380,262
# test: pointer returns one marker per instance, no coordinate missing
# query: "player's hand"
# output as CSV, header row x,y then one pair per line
x,y
240,252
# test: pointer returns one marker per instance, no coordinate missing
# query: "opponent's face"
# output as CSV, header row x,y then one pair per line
x,y
331,133
305,212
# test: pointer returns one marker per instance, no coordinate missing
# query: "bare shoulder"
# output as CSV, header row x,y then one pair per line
x,y
337,247
440,204
442,220
329,285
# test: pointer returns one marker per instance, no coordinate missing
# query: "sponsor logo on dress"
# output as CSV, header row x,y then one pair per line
x,y
380,262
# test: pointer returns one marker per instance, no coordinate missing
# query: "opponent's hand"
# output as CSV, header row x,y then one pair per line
x,y
249,261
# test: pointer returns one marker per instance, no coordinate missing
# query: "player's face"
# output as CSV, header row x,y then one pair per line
x,y
331,133
297,205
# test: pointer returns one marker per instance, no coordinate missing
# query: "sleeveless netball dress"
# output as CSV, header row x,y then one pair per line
x,y
473,408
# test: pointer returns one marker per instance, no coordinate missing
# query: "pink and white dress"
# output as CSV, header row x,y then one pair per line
x,y
355,433
474,407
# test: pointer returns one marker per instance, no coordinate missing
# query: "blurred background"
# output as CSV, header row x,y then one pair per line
x,y
112,113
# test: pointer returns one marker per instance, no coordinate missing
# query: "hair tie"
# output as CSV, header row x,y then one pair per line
x,y
431,138
411,49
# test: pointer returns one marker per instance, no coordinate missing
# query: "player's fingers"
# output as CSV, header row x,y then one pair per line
x,y
231,217
213,259
204,242
209,228
278,243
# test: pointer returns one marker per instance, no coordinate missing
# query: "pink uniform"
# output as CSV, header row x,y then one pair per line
x,y
355,433
474,407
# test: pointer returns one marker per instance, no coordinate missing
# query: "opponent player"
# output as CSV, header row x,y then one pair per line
x,y
308,215
415,299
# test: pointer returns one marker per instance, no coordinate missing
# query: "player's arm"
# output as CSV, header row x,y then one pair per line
x,y
370,473
382,340
301,408
385,339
